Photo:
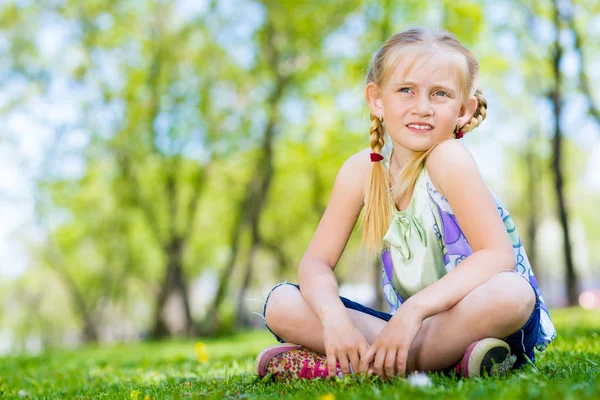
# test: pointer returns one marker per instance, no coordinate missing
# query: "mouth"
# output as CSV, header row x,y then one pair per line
x,y
420,127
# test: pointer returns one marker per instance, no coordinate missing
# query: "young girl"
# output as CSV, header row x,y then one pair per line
x,y
426,210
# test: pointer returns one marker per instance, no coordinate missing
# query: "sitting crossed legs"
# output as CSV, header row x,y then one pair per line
x,y
504,307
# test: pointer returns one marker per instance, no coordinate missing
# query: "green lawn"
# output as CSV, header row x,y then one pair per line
x,y
569,369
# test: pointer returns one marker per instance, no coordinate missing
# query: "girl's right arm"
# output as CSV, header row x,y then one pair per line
x,y
343,341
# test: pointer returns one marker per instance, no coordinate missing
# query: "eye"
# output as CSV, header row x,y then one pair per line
x,y
442,93
404,90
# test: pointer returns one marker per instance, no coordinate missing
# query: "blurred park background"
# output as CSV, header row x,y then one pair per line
x,y
164,163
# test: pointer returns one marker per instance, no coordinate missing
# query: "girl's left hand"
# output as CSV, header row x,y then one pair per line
x,y
389,352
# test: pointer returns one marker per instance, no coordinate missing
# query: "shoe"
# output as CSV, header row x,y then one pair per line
x,y
490,355
289,361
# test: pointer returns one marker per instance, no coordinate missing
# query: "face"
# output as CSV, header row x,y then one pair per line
x,y
422,106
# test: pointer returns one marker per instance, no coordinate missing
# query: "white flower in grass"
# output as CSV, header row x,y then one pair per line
x,y
419,379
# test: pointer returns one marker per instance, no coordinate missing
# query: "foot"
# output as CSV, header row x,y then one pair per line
x,y
288,360
490,355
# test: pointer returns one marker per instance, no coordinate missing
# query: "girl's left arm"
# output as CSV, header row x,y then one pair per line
x,y
455,175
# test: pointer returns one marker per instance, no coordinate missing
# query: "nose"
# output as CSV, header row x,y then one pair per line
x,y
422,105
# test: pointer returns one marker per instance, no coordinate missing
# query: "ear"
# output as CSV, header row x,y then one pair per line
x,y
374,98
467,111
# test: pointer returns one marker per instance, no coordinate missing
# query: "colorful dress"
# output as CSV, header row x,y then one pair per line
x,y
425,242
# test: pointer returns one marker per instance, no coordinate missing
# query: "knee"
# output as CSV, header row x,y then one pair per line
x,y
278,305
508,300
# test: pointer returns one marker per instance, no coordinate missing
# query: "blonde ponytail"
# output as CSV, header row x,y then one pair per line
x,y
378,206
407,177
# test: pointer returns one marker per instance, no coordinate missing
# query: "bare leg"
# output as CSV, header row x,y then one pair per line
x,y
498,308
293,319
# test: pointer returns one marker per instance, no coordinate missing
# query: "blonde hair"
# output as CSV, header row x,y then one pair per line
x,y
408,47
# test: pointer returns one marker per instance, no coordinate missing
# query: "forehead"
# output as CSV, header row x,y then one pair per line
x,y
437,66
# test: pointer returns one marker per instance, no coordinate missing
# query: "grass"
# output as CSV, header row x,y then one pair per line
x,y
569,369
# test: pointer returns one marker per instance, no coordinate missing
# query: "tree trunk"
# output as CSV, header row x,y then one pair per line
x,y
57,262
211,321
241,317
259,197
249,211
173,283
265,169
533,176
161,328
281,257
570,274
90,329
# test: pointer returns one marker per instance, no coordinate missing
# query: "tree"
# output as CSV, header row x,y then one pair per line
x,y
557,101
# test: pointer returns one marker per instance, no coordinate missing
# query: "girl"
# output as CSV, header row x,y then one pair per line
x,y
459,284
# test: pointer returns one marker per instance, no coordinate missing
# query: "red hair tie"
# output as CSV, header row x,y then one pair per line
x,y
459,134
375,157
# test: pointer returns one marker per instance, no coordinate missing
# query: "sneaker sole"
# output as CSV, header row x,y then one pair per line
x,y
488,355
263,358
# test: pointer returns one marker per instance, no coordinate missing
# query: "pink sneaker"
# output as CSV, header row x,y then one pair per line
x,y
489,355
288,360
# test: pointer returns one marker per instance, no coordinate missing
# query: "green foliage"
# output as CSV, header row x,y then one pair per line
x,y
465,19
567,370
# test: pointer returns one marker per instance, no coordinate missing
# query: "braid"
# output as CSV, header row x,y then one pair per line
x,y
378,208
480,113
376,134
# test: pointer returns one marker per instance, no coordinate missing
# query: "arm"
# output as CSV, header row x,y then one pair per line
x,y
315,273
455,175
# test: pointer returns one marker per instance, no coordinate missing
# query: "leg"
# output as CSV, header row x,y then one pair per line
x,y
293,319
497,308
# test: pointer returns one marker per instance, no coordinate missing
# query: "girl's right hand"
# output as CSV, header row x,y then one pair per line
x,y
344,344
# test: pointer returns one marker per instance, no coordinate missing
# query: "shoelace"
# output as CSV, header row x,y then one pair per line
x,y
504,366
315,372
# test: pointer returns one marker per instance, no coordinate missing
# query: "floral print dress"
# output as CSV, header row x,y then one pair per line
x,y
425,241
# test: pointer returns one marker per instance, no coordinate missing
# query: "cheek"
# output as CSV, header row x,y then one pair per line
x,y
449,113
400,106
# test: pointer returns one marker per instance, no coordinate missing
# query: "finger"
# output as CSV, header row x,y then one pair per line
x,y
363,350
354,361
331,365
401,361
345,366
366,358
378,363
390,363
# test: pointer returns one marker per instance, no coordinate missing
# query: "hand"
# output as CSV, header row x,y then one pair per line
x,y
389,352
344,344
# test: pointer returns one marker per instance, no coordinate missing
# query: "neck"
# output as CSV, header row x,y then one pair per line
x,y
400,156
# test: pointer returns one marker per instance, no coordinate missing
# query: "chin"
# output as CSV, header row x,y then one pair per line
x,y
421,145
420,149
415,144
